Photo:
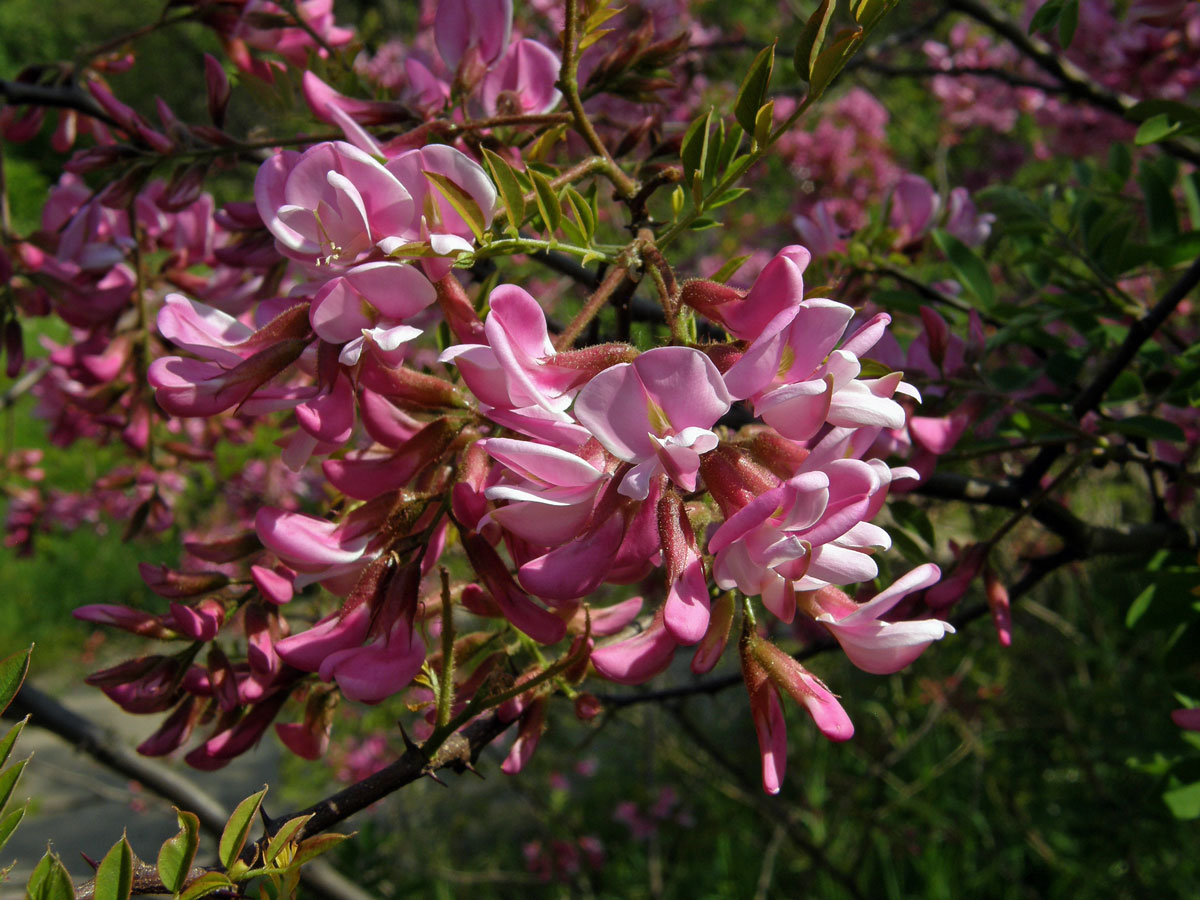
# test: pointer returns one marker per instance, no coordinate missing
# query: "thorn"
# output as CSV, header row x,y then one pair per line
x,y
268,822
432,774
408,742
91,862
470,767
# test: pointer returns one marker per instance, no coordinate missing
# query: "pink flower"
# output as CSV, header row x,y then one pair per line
x,y
481,27
369,303
523,81
876,646
657,413
331,204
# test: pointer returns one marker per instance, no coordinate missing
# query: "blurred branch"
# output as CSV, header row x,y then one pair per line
x,y
46,712
1075,81
1010,78
64,96
1089,398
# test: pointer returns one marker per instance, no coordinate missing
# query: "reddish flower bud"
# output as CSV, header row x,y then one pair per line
x,y
176,585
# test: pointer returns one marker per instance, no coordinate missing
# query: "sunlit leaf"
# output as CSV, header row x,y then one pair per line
x,y
176,855
753,92
12,674
286,832
114,877
464,204
547,202
812,37
233,838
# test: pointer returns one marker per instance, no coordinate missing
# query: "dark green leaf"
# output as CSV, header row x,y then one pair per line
x,y
968,266
114,878
1046,16
1150,427
176,855
1068,21
726,271
1161,214
753,92
462,202
233,838
12,674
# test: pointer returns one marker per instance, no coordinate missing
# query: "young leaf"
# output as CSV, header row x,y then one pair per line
x,y
8,781
582,211
808,47
970,268
763,121
753,92
726,271
510,189
176,855
545,142
695,146
833,58
1046,16
600,16
50,880
233,838
6,744
207,884
286,832
12,674
9,824
547,202
464,204
311,848
114,878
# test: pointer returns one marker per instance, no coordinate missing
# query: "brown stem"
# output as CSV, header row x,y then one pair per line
x,y
568,83
592,306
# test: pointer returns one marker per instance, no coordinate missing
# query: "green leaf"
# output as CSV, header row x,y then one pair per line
x,y
233,838
1161,214
968,266
1138,607
464,204
114,878
582,211
694,150
6,744
8,781
1184,802
1046,17
9,823
509,187
286,832
808,46
545,142
726,271
753,92
176,855
1155,129
207,884
704,223
833,58
1150,427
50,880
311,848
1068,21
12,674
600,16
867,13
547,202
727,197
764,121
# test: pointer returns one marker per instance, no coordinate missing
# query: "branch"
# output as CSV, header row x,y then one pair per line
x,y
1075,81
1089,398
1007,77
19,93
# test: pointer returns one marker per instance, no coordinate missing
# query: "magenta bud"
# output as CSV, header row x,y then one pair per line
x,y
587,706
712,646
217,85
175,730
225,550
998,602
707,297
14,348
176,585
